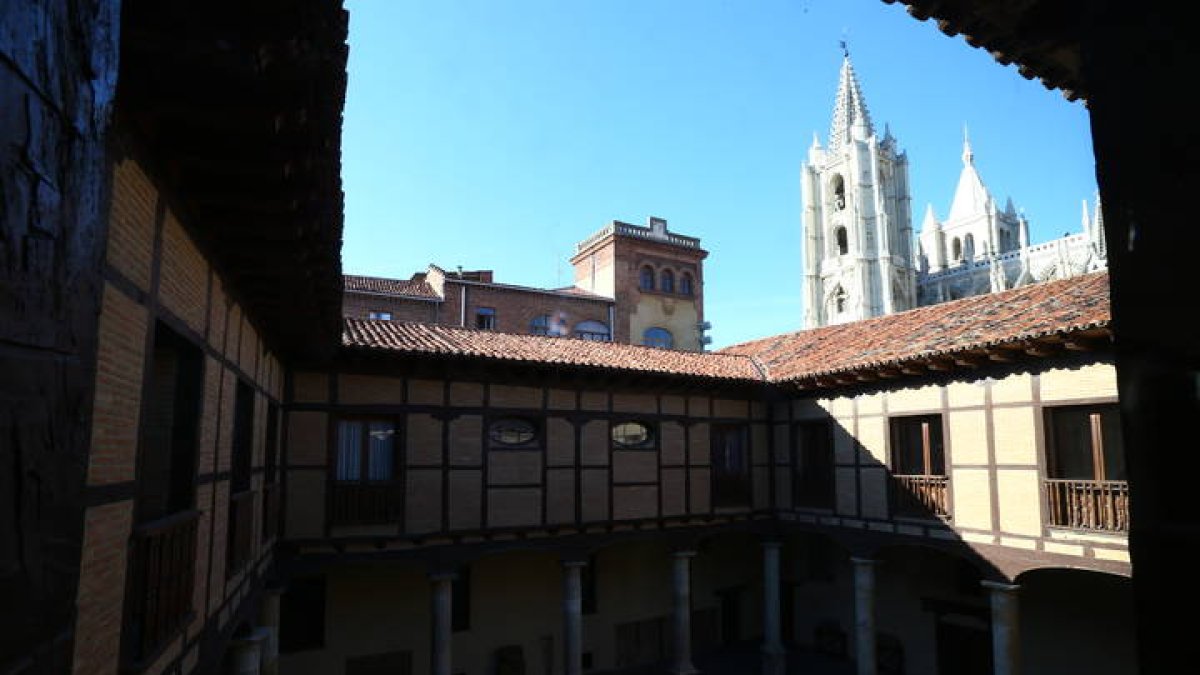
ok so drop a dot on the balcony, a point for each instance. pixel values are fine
(163, 567)
(1088, 504)
(354, 503)
(919, 496)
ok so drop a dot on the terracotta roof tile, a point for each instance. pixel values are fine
(1031, 312)
(406, 287)
(420, 338)
(1034, 311)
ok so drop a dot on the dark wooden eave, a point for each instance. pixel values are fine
(237, 105)
(1043, 38)
(1009, 352)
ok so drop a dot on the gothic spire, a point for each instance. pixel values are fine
(849, 108)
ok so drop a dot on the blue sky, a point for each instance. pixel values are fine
(496, 134)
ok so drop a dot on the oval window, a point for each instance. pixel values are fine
(512, 431)
(631, 434)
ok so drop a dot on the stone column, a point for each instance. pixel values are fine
(774, 654)
(864, 614)
(681, 605)
(439, 661)
(573, 617)
(1006, 637)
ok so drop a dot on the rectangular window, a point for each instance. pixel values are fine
(367, 486)
(171, 428)
(1084, 443)
(730, 465)
(813, 457)
(365, 451)
(1085, 462)
(485, 318)
(379, 315)
(917, 446)
(302, 615)
(918, 465)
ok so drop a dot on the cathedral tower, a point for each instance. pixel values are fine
(858, 256)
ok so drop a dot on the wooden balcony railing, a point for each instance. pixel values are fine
(271, 495)
(163, 568)
(241, 530)
(365, 503)
(920, 495)
(1089, 504)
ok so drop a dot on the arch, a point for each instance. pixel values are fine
(837, 185)
(646, 278)
(968, 248)
(686, 286)
(656, 336)
(841, 240)
(593, 330)
(666, 282)
(956, 250)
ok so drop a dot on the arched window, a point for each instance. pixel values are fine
(969, 246)
(685, 284)
(839, 300)
(658, 337)
(839, 193)
(843, 242)
(956, 249)
(667, 285)
(646, 280)
(592, 330)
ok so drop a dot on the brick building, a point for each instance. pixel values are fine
(198, 470)
(633, 284)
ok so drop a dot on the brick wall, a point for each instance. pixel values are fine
(155, 274)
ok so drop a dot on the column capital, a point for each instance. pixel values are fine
(1001, 586)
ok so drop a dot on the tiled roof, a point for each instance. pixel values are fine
(430, 339)
(973, 323)
(976, 323)
(406, 287)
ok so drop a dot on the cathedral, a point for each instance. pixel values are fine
(861, 258)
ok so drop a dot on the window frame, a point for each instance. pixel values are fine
(933, 421)
(485, 318)
(647, 443)
(730, 489)
(666, 281)
(656, 342)
(364, 457)
(646, 278)
(535, 432)
(379, 315)
(802, 497)
(592, 335)
(1052, 415)
(687, 284)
